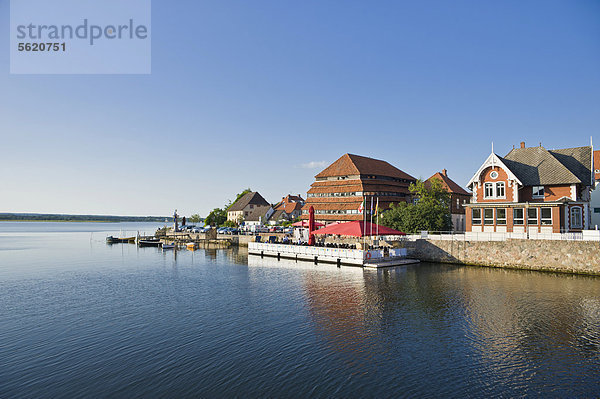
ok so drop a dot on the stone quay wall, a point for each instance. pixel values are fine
(581, 257)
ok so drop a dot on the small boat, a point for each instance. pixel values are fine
(191, 246)
(116, 240)
(155, 242)
(166, 247)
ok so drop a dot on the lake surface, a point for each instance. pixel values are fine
(79, 318)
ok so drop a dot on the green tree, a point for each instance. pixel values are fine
(288, 223)
(240, 195)
(195, 218)
(230, 223)
(431, 211)
(216, 217)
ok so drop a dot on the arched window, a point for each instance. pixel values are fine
(576, 218)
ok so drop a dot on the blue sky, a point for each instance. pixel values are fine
(249, 94)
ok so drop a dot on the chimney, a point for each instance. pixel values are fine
(522, 144)
(445, 172)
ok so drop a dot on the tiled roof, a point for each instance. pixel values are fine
(350, 164)
(277, 215)
(293, 206)
(294, 198)
(538, 166)
(578, 160)
(258, 213)
(449, 184)
(289, 202)
(253, 198)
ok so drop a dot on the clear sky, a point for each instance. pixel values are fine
(264, 94)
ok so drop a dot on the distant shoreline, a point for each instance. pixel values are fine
(80, 221)
(51, 217)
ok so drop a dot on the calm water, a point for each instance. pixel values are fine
(79, 318)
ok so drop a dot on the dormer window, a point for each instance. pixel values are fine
(537, 192)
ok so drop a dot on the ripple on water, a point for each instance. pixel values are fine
(124, 322)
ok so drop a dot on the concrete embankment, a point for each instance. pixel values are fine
(581, 257)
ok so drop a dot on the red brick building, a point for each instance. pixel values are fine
(289, 208)
(532, 190)
(339, 190)
(458, 198)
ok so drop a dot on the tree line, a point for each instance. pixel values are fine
(79, 218)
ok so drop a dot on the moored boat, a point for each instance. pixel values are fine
(168, 246)
(191, 246)
(154, 242)
(116, 240)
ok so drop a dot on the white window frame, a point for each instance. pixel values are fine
(580, 216)
(498, 185)
(492, 191)
(486, 219)
(476, 221)
(537, 219)
(545, 221)
(538, 195)
(501, 221)
(521, 219)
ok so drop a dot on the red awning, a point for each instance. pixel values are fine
(358, 228)
(304, 223)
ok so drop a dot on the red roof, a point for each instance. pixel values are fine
(350, 164)
(358, 228)
(304, 223)
(448, 183)
(292, 206)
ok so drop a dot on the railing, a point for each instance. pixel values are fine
(586, 235)
(342, 253)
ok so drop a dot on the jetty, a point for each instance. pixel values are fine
(369, 258)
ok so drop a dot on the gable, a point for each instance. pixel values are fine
(491, 161)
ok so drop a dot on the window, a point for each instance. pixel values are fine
(500, 190)
(494, 175)
(546, 214)
(532, 217)
(488, 216)
(489, 190)
(518, 216)
(596, 210)
(501, 216)
(457, 203)
(576, 219)
(476, 215)
(537, 192)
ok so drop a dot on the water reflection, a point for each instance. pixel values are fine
(527, 328)
(91, 320)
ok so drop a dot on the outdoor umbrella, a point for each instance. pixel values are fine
(358, 228)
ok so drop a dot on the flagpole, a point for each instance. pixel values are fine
(371, 214)
(377, 209)
(364, 218)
